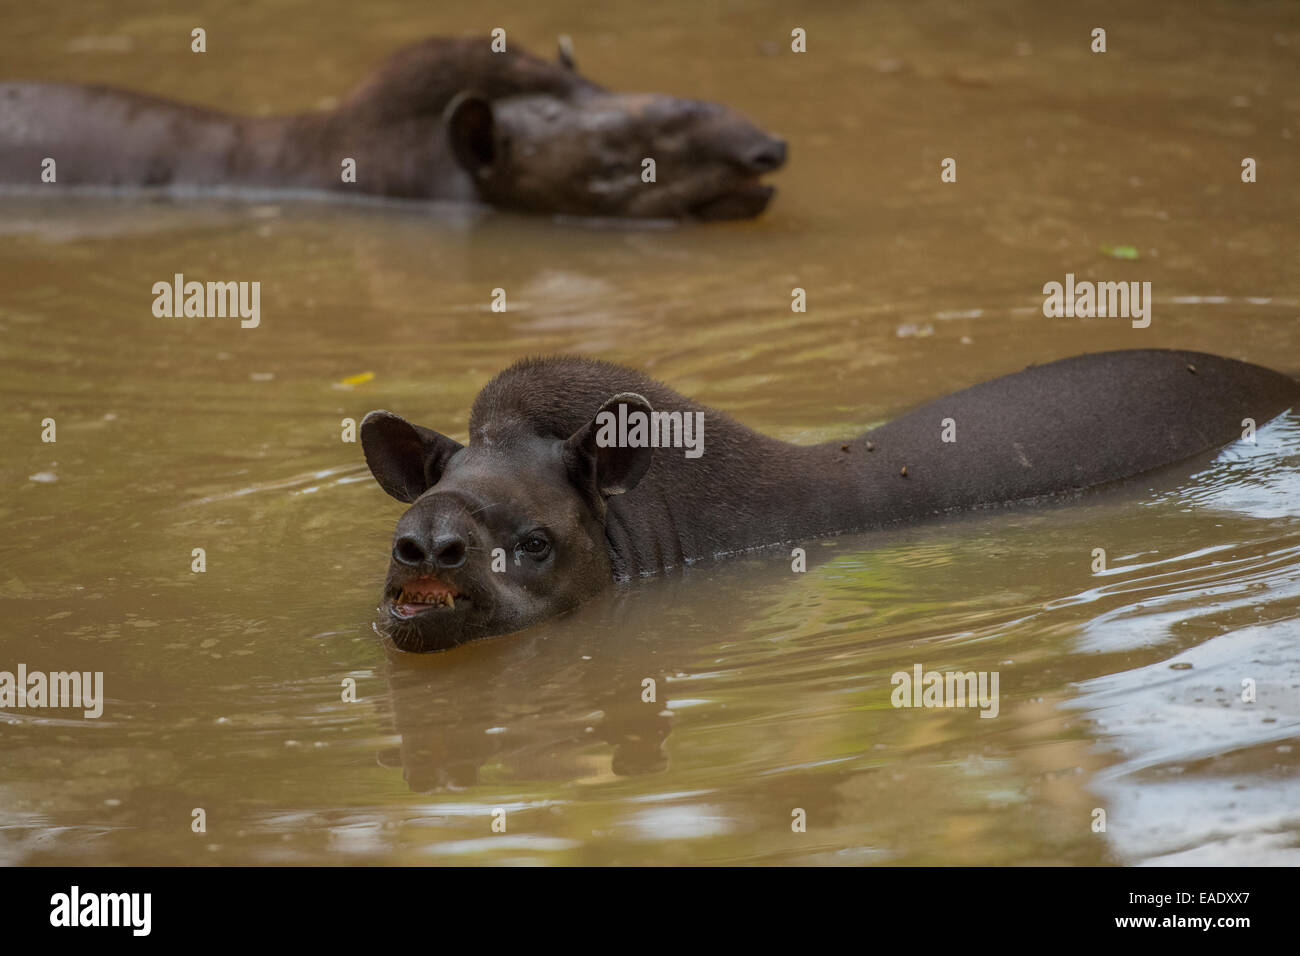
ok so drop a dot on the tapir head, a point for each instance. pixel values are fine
(536, 136)
(607, 154)
(500, 533)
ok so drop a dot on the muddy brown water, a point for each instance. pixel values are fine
(1119, 690)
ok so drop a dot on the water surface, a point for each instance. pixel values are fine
(224, 688)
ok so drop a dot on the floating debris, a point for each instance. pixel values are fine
(1120, 252)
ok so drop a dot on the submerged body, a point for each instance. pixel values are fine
(563, 515)
(444, 119)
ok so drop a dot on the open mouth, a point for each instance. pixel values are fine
(748, 197)
(422, 595)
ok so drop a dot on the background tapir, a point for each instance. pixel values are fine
(444, 119)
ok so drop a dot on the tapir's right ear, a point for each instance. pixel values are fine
(405, 459)
(471, 131)
(601, 468)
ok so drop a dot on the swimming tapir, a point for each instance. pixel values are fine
(442, 119)
(562, 490)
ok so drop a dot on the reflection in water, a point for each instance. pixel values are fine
(506, 710)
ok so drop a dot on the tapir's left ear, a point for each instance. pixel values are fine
(595, 459)
(405, 459)
(471, 133)
(565, 54)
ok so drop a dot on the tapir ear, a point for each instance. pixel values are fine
(471, 133)
(596, 461)
(405, 459)
(565, 54)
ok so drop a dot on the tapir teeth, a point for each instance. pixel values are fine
(445, 598)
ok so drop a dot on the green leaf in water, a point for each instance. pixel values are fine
(1120, 252)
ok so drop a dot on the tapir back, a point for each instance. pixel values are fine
(106, 137)
(1069, 425)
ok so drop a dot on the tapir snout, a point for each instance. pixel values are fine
(434, 535)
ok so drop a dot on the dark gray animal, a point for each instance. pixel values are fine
(442, 119)
(570, 514)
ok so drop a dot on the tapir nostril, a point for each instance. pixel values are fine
(449, 551)
(767, 156)
(409, 551)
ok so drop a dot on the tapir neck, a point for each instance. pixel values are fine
(349, 152)
(747, 491)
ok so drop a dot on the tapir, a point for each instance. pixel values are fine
(578, 474)
(442, 119)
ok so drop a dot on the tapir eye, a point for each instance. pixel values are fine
(535, 545)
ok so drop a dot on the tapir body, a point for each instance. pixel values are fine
(445, 119)
(563, 514)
